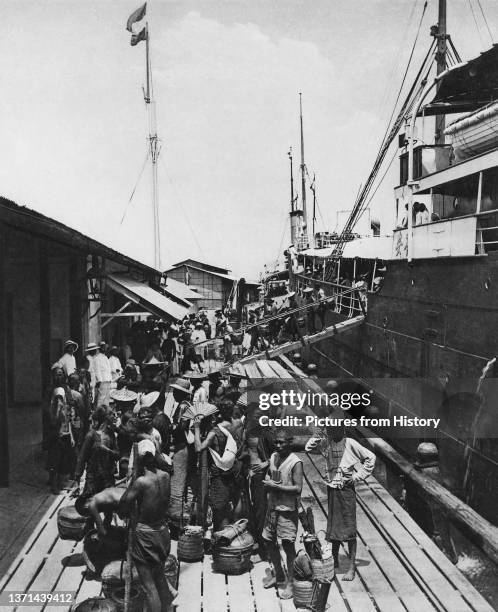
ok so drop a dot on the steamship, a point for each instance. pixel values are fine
(428, 343)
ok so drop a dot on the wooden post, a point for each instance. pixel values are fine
(203, 488)
(479, 194)
(132, 522)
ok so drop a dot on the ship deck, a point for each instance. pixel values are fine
(399, 568)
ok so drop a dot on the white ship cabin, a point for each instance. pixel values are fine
(456, 181)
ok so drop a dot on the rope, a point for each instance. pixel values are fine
(407, 66)
(485, 21)
(135, 188)
(346, 291)
(359, 203)
(475, 21)
(183, 209)
(457, 55)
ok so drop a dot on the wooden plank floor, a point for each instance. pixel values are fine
(398, 567)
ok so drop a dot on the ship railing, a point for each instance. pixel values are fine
(228, 346)
(487, 235)
(342, 299)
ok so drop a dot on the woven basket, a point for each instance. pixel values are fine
(303, 590)
(95, 604)
(191, 545)
(114, 576)
(137, 598)
(71, 524)
(323, 569)
(232, 560)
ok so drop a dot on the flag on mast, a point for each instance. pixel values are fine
(136, 38)
(135, 17)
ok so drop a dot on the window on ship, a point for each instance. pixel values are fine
(456, 199)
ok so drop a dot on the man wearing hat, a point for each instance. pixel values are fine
(183, 455)
(322, 306)
(124, 402)
(90, 352)
(68, 362)
(198, 338)
(310, 311)
(116, 367)
(103, 378)
(199, 391)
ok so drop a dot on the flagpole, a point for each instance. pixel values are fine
(154, 153)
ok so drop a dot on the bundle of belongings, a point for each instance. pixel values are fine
(232, 549)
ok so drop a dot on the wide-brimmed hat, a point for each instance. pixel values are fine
(123, 395)
(131, 362)
(146, 446)
(195, 375)
(149, 399)
(242, 401)
(181, 384)
(91, 347)
(71, 343)
(308, 290)
(152, 362)
(236, 373)
(59, 392)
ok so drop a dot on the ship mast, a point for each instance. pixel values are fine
(291, 180)
(441, 37)
(303, 168)
(154, 150)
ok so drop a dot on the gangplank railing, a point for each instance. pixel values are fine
(272, 330)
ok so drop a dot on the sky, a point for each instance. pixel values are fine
(226, 79)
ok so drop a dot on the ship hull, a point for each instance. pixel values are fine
(425, 350)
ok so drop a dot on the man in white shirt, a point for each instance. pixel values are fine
(68, 362)
(116, 368)
(91, 351)
(347, 461)
(103, 377)
(198, 336)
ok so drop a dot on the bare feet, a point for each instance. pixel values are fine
(269, 580)
(349, 575)
(286, 592)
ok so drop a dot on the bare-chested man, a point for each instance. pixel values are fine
(106, 502)
(151, 544)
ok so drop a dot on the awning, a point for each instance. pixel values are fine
(154, 302)
(370, 247)
(467, 86)
(178, 290)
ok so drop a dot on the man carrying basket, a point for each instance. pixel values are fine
(342, 456)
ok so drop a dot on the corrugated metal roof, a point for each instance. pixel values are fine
(181, 290)
(153, 301)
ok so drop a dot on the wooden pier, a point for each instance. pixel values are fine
(398, 567)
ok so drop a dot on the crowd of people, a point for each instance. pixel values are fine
(202, 455)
